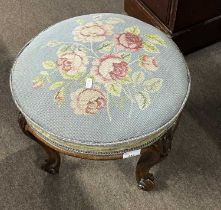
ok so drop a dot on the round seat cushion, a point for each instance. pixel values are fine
(100, 83)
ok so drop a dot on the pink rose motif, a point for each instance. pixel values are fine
(92, 32)
(72, 62)
(128, 41)
(148, 63)
(109, 68)
(87, 101)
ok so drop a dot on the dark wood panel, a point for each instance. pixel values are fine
(190, 12)
(138, 10)
(198, 36)
(160, 8)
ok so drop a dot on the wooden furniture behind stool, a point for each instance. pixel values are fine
(192, 24)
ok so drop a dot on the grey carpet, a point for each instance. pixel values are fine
(190, 178)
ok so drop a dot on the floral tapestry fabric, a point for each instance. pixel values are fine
(120, 65)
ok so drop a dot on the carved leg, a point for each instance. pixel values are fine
(53, 161)
(151, 156)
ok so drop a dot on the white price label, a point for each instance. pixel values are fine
(131, 153)
(89, 83)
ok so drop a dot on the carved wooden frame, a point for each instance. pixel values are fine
(150, 155)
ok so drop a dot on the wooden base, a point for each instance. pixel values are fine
(149, 156)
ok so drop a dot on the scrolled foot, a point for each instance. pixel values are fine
(50, 168)
(149, 157)
(52, 163)
(147, 183)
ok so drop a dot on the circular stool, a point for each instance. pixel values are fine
(101, 86)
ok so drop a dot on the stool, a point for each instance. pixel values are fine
(102, 87)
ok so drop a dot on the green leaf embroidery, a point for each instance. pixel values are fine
(105, 47)
(143, 100)
(45, 73)
(65, 48)
(80, 48)
(76, 76)
(48, 64)
(56, 85)
(133, 29)
(119, 103)
(59, 97)
(37, 78)
(138, 77)
(114, 89)
(153, 85)
(112, 20)
(149, 47)
(80, 21)
(155, 39)
(125, 56)
(125, 80)
(38, 81)
(53, 43)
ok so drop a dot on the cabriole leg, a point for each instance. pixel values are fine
(52, 163)
(149, 157)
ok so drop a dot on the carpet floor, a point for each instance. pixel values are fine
(190, 178)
